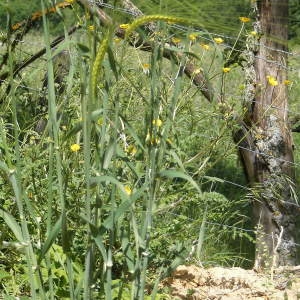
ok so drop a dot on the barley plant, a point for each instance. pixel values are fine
(112, 163)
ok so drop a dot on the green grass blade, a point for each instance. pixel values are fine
(12, 223)
(180, 174)
(50, 239)
(127, 250)
(201, 236)
(109, 154)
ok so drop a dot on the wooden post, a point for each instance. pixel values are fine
(266, 144)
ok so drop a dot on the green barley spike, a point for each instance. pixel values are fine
(147, 19)
(97, 63)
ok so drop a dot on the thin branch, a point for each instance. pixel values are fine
(26, 25)
(20, 66)
(190, 69)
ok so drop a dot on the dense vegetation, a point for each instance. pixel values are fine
(134, 172)
(216, 16)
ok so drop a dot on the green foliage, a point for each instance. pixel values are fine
(128, 177)
(206, 12)
(216, 16)
(294, 20)
(19, 10)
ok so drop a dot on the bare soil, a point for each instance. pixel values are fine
(191, 282)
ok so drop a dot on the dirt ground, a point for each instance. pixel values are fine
(191, 282)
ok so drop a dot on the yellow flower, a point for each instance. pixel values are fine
(157, 122)
(253, 33)
(117, 40)
(197, 71)
(287, 82)
(124, 26)
(226, 70)
(205, 46)
(131, 149)
(272, 81)
(75, 147)
(175, 40)
(91, 28)
(100, 121)
(146, 66)
(127, 190)
(218, 40)
(244, 19)
(192, 37)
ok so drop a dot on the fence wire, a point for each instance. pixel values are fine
(185, 28)
(227, 226)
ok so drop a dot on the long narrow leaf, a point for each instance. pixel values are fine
(180, 174)
(12, 224)
(127, 251)
(201, 236)
(50, 239)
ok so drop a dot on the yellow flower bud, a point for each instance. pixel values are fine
(175, 40)
(75, 147)
(218, 40)
(205, 46)
(287, 82)
(244, 19)
(124, 26)
(157, 122)
(127, 190)
(272, 81)
(192, 37)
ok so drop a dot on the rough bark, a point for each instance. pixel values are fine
(266, 144)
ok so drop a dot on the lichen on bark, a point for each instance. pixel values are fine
(268, 157)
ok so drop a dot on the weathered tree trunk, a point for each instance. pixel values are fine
(265, 143)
